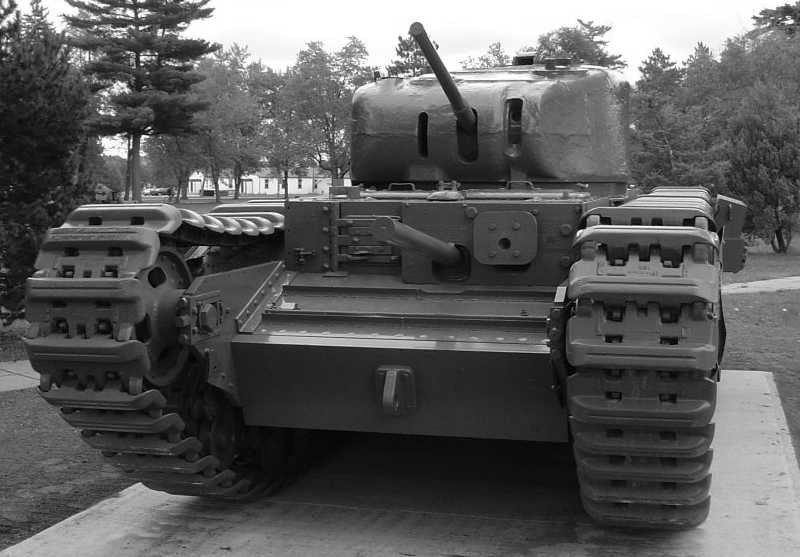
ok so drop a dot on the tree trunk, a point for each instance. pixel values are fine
(237, 179)
(333, 160)
(286, 185)
(128, 172)
(183, 186)
(79, 160)
(215, 178)
(781, 239)
(136, 187)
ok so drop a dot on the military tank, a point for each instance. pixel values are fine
(490, 273)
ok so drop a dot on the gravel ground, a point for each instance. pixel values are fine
(46, 472)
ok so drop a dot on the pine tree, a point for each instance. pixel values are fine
(784, 18)
(43, 106)
(494, 57)
(583, 42)
(140, 61)
(654, 117)
(8, 23)
(410, 61)
(764, 157)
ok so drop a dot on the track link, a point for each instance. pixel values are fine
(88, 304)
(642, 343)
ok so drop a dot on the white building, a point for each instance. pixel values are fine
(260, 184)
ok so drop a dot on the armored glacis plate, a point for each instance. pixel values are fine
(505, 237)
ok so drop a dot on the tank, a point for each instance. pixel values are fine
(490, 273)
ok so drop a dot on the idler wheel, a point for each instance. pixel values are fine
(162, 286)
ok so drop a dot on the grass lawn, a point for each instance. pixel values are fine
(762, 265)
(764, 334)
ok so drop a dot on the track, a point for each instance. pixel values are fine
(642, 343)
(104, 310)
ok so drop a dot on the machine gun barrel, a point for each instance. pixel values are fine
(389, 231)
(464, 113)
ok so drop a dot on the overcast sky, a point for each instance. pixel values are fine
(276, 30)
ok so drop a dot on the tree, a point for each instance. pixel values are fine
(322, 84)
(765, 162)
(410, 61)
(143, 66)
(245, 138)
(173, 158)
(43, 106)
(8, 24)
(227, 138)
(113, 173)
(581, 43)
(702, 111)
(654, 118)
(784, 18)
(286, 134)
(495, 56)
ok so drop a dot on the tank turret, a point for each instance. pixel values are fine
(539, 124)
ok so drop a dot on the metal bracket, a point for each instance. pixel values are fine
(556, 332)
(199, 317)
(730, 216)
(396, 390)
(302, 254)
(505, 237)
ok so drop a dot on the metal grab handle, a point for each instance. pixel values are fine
(391, 399)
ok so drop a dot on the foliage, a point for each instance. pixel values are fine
(765, 161)
(654, 117)
(493, 57)
(8, 24)
(410, 61)
(754, 77)
(113, 172)
(784, 18)
(142, 65)
(172, 159)
(227, 135)
(583, 42)
(727, 123)
(677, 130)
(321, 86)
(244, 138)
(285, 134)
(43, 145)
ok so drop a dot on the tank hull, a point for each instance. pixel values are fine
(473, 363)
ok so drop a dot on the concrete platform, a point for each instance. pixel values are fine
(17, 375)
(756, 286)
(389, 496)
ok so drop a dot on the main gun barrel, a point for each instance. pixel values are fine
(389, 231)
(464, 113)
